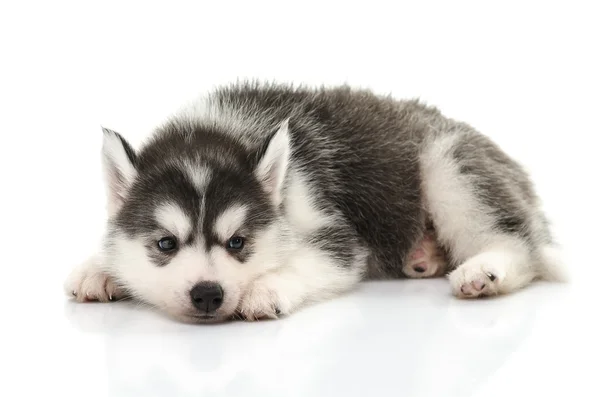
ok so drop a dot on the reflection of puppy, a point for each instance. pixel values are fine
(259, 199)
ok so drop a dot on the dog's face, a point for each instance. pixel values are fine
(188, 234)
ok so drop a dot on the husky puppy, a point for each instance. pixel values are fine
(259, 199)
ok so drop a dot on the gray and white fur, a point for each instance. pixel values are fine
(259, 199)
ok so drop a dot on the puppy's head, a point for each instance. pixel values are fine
(193, 219)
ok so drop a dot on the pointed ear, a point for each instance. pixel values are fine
(272, 167)
(118, 160)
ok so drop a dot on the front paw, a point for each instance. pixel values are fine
(262, 300)
(89, 283)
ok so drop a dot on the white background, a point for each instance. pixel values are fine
(524, 73)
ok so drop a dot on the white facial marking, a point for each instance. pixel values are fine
(230, 221)
(200, 176)
(174, 219)
(166, 287)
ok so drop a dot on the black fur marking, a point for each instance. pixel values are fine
(152, 190)
(231, 182)
(229, 189)
(510, 223)
(346, 154)
(204, 145)
(340, 243)
(501, 195)
(157, 256)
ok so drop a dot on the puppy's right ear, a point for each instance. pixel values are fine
(118, 160)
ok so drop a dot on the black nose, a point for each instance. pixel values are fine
(207, 296)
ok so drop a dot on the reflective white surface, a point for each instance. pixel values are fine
(406, 338)
(525, 73)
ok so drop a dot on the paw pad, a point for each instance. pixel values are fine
(475, 286)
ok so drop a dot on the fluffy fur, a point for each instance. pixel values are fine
(325, 187)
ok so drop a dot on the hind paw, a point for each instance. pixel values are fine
(425, 259)
(483, 285)
(475, 278)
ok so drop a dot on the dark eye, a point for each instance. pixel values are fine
(167, 244)
(235, 243)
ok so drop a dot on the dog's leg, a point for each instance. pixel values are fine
(501, 268)
(310, 276)
(485, 211)
(90, 281)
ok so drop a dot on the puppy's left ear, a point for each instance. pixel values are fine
(118, 160)
(272, 167)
